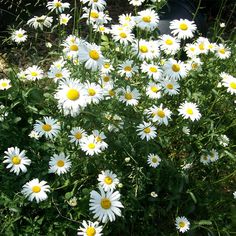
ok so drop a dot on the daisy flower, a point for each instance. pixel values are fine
(127, 20)
(170, 86)
(57, 71)
(182, 28)
(147, 19)
(153, 90)
(143, 50)
(182, 224)
(19, 36)
(57, 5)
(5, 84)
(100, 137)
(122, 35)
(127, 69)
(153, 160)
(146, 131)
(169, 44)
(202, 45)
(101, 29)
(159, 114)
(90, 229)
(191, 50)
(72, 45)
(59, 164)
(213, 155)
(34, 73)
(205, 159)
(223, 140)
(108, 180)
(222, 52)
(64, 19)
(36, 190)
(40, 21)
(77, 134)
(92, 56)
(105, 205)
(95, 4)
(107, 67)
(136, 2)
(95, 17)
(175, 69)
(152, 70)
(189, 110)
(16, 160)
(90, 145)
(194, 64)
(129, 96)
(94, 92)
(49, 128)
(71, 96)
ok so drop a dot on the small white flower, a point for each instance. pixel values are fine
(182, 224)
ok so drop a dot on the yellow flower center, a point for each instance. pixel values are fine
(78, 135)
(105, 203)
(201, 46)
(95, 0)
(123, 35)
(183, 26)
(106, 78)
(161, 113)
(106, 65)
(127, 68)
(154, 160)
(189, 111)
(58, 4)
(73, 94)
(169, 42)
(154, 89)
(128, 96)
(94, 54)
(60, 163)
(20, 35)
(4, 84)
(90, 230)
(64, 20)
(181, 224)
(192, 49)
(94, 14)
(153, 69)
(36, 189)
(108, 180)
(147, 130)
(194, 65)
(170, 86)
(16, 160)
(91, 146)
(143, 49)
(127, 18)
(222, 51)
(98, 139)
(176, 68)
(111, 93)
(47, 127)
(101, 28)
(58, 75)
(91, 92)
(74, 47)
(34, 73)
(232, 85)
(147, 19)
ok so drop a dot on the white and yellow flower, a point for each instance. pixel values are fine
(59, 164)
(90, 229)
(182, 224)
(19, 36)
(108, 180)
(189, 110)
(153, 160)
(146, 131)
(49, 127)
(183, 28)
(105, 205)
(16, 160)
(36, 189)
